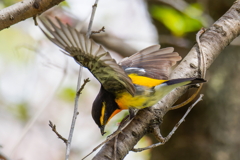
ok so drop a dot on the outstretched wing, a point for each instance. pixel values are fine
(151, 62)
(90, 55)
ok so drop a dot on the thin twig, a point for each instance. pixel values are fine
(35, 20)
(75, 112)
(164, 140)
(121, 127)
(54, 129)
(94, 7)
(201, 71)
(99, 31)
(82, 87)
(34, 119)
(202, 57)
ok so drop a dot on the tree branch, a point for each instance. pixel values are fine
(23, 10)
(79, 90)
(162, 140)
(213, 41)
(114, 43)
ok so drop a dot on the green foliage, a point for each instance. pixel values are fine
(64, 4)
(21, 111)
(194, 10)
(67, 94)
(6, 3)
(178, 23)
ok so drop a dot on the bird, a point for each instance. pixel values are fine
(136, 82)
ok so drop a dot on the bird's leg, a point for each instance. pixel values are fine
(127, 119)
(124, 123)
(132, 112)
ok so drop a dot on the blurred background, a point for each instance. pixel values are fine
(38, 82)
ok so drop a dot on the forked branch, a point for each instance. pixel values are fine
(213, 41)
(162, 140)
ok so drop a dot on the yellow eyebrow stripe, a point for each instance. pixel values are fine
(103, 113)
(145, 81)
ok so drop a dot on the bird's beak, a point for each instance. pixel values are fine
(102, 129)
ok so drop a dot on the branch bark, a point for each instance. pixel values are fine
(213, 41)
(23, 10)
(114, 43)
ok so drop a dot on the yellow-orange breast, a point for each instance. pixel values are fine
(143, 99)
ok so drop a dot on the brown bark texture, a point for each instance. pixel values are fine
(23, 10)
(213, 41)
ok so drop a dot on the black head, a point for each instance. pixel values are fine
(104, 108)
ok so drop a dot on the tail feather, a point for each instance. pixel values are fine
(191, 81)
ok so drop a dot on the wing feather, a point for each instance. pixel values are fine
(89, 54)
(152, 62)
